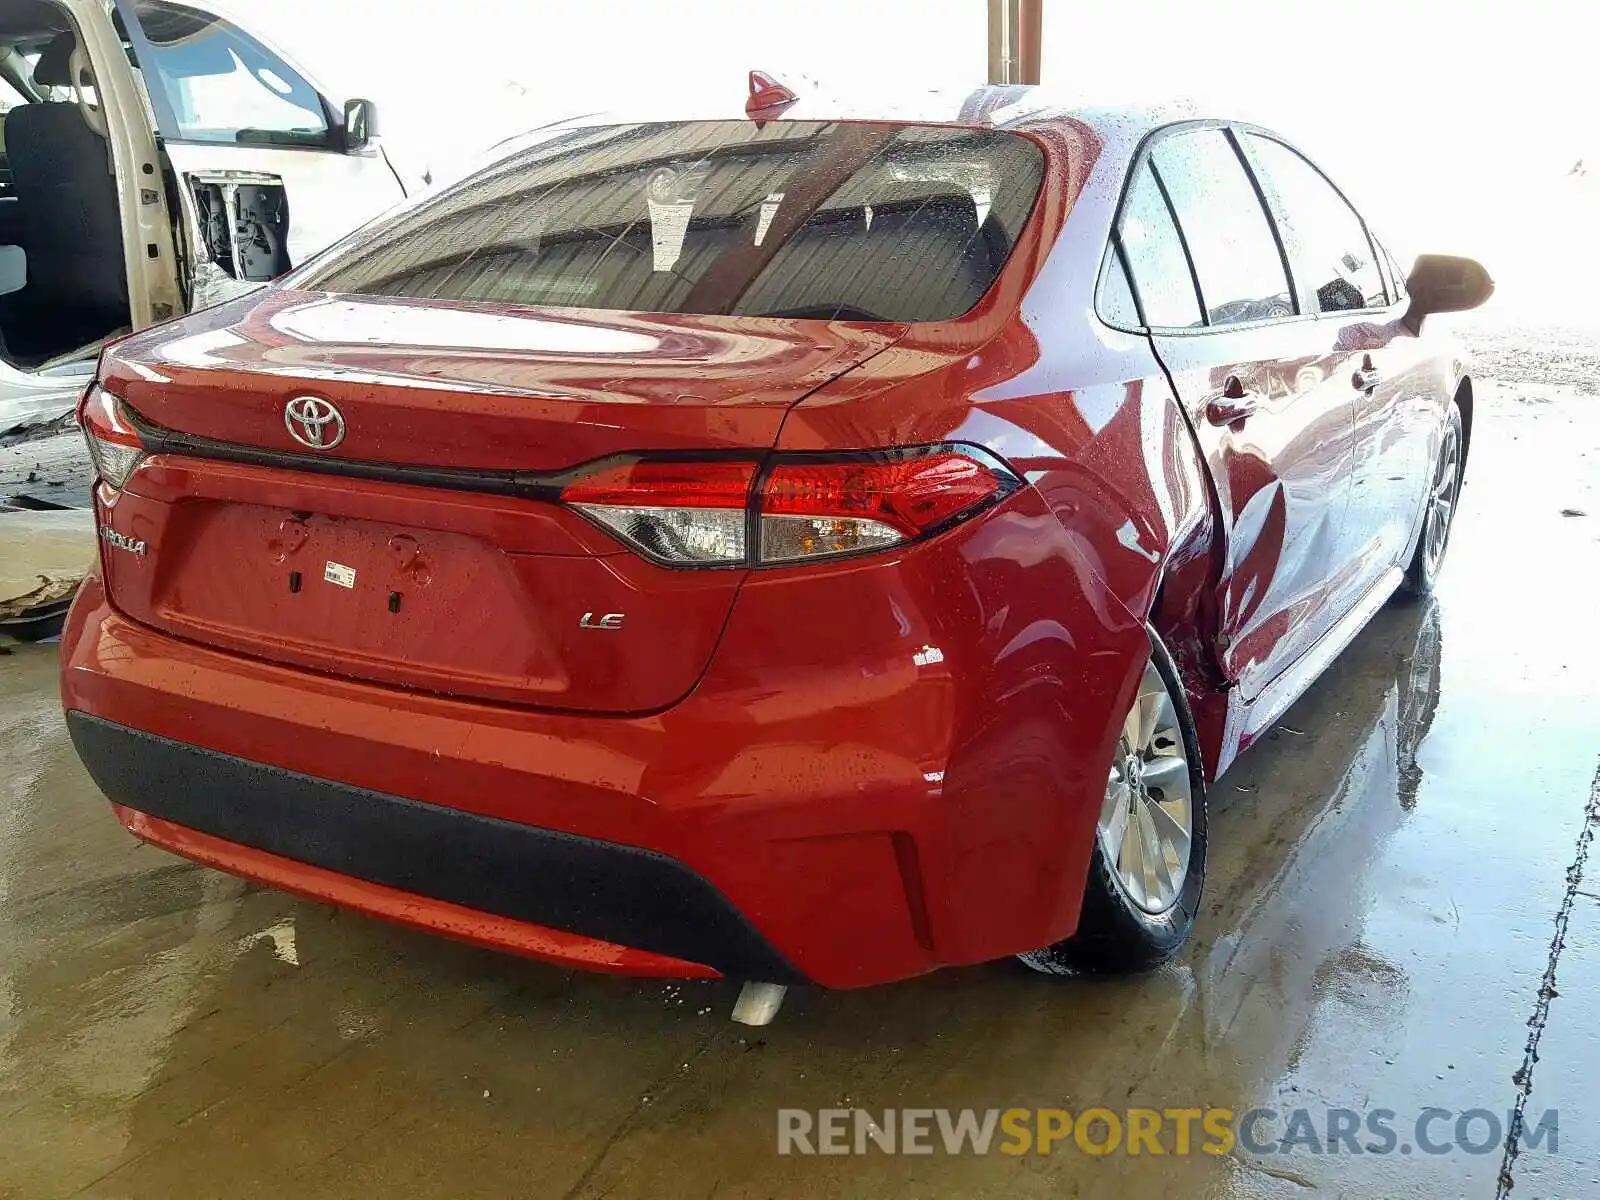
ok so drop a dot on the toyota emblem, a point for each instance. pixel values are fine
(313, 421)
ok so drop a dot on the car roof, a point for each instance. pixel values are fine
(1018, 107)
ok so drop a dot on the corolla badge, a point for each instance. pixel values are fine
(313, 421)
(122, 541)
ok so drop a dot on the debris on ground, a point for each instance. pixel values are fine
(44, 555)
(45, 466)
(21, 411)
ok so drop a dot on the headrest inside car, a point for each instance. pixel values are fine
(54, 68)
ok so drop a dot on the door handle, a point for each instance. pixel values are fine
(1367, 377)
(1233, 406)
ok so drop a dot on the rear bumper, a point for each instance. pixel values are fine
(653, 846)
(847, 801)
(441, 858)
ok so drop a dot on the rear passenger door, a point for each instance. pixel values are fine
(1336, 268)
(1263, 384)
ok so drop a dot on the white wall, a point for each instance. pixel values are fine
(452, 77)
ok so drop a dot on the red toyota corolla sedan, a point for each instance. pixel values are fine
(784, 550)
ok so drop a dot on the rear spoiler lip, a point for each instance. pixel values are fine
(158, 439)
(525, 485)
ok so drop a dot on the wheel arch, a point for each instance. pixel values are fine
(1182, 616)
(1463, 398)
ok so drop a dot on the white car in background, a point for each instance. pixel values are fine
(157, 158)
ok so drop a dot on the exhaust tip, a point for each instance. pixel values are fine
(758, 1003)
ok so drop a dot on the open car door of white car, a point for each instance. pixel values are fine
(272, 168)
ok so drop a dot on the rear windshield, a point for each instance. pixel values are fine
(794, 219)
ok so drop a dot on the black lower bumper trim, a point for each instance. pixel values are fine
(616, 893)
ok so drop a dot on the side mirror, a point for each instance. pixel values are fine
(1441, 283)
(360, 124)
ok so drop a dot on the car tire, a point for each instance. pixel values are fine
(1125, 927)
(1444, 493)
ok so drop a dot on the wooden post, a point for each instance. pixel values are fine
(1015, 29)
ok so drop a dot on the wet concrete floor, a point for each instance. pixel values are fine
(1400, 884)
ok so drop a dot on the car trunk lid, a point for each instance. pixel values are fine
(453, 385)
(423, 548)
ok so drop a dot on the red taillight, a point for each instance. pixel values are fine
(821, 508)
(910, 495)
(688, 514)
(114, 444)
(665, 484)
(807, 506)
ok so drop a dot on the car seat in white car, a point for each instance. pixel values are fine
(71, 226)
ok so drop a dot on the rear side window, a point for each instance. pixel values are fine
(1116, 304)
(1155, 257)
(794, 219)
(1235, 254)
(1334, 265)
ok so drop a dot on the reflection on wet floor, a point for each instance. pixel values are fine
(1386, 868)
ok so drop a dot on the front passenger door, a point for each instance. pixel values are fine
(1261, 387)
(263, 156)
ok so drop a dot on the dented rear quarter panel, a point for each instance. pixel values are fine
(1082, 411)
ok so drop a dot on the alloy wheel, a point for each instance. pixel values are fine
(1147, 819)
(1442, 500)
